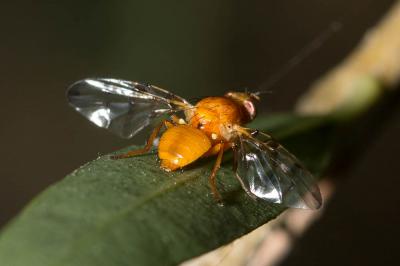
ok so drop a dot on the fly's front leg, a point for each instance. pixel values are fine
(211, 178)
(148, 145)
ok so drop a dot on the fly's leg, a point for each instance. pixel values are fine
(148, 145)
(177, 121)
(234, 168)
(211, 178)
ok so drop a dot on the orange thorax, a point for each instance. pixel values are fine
(213, 113)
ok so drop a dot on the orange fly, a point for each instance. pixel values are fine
(264, 168)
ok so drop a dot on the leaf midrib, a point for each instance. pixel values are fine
(119, 215)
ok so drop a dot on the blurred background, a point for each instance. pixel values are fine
(194, 49)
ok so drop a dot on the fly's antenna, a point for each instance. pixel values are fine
(303, 54)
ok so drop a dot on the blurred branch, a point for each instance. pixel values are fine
(350, 88)
(371, 68)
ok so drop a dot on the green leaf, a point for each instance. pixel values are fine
(129, 212)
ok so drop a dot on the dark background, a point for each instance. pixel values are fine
(195, 49)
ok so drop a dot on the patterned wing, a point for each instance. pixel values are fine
(268, 171)
(121, 106)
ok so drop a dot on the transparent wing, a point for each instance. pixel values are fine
(268, 171)
(121, 106)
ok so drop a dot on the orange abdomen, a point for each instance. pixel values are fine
(181, 145)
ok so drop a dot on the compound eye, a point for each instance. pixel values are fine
(250, 108)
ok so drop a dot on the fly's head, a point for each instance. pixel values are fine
(247, 103)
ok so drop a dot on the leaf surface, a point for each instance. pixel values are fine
(129, 212)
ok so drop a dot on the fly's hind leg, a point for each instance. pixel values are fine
(148, 145)
(235, 168)
(211, 178)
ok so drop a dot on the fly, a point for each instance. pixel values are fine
(264, 168)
